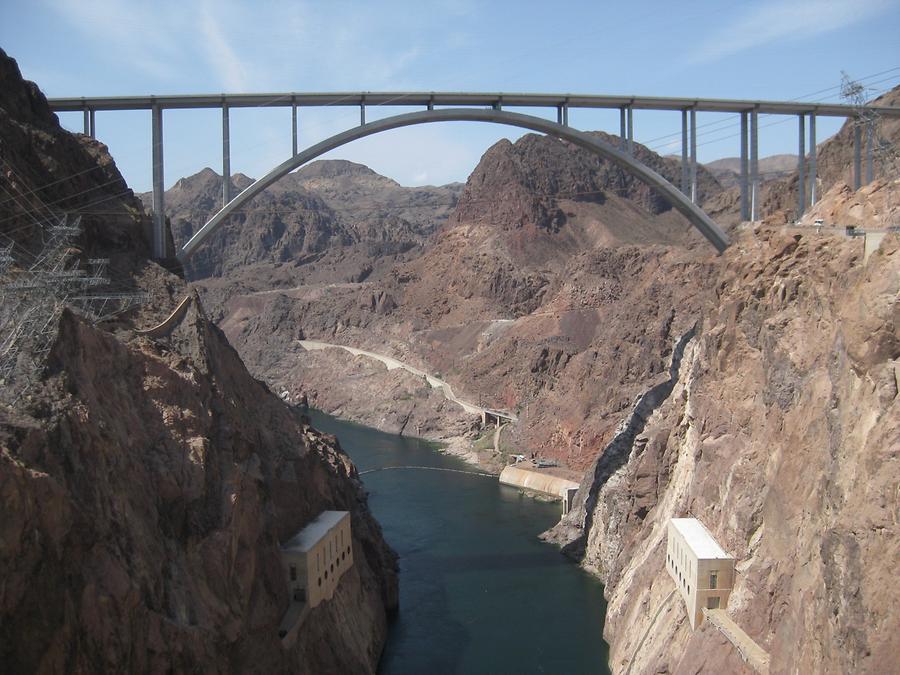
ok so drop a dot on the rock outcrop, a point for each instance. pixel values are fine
(780, 435)
(146, 483)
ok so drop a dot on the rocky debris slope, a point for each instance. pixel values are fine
(728, 170)
(780, 435)
(146, 484)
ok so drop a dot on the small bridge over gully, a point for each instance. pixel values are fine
(488, 107)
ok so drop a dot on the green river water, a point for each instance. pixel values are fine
(479, 593)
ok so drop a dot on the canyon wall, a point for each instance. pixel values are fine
(146, 482)
(780, 433)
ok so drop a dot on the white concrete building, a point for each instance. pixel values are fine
(317, 556)
(702, 571)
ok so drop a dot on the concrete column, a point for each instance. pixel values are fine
(431, 104)
(362, 114)
(294, 130)
(685, 175)
(870, 148)
(857, 156)
(694, 195)
(565, 115)
(754, 165)
(744, 180)
(813, 171)
(226, 156)
(559, 114)
(87, 122)
(801, 166)
(159, 215)
(630, 130)
(93, 129)
(622, 129)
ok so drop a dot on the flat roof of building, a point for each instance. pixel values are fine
(699, 539)
(312, 534)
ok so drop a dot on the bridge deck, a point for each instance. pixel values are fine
(431, 98)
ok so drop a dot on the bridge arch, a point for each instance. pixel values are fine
(679, 201)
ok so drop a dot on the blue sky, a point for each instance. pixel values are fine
(773, 49)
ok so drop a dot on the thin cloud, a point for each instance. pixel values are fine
(222, 58)
(131, 30)
(778, 20)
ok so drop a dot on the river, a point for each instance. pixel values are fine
(479, 593)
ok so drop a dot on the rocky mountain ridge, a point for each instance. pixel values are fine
(331, 220)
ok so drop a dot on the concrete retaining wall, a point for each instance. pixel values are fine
(536, 481)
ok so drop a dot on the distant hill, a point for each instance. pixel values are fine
(335, 218)
(728, 169)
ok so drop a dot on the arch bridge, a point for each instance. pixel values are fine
(488, 107)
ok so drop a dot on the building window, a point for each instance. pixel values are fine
(713, 579)
(712, 602)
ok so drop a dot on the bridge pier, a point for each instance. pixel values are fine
(857, 154)
(89, 129)
(745, 185)
(813, 170)
(685, 174)
(630, 112)
(294, 129)
(226, 156)
(870, 142)
(159, 215)
(801, 166)
(362, 114)
(754, 165)
(622, 131)
(694, 195)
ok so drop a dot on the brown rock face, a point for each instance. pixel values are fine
(146, 484)
(45, 171)
(522, 183)
(779, 434)
(145, 498)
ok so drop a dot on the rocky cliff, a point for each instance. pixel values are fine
(146, 482)
(777, 427)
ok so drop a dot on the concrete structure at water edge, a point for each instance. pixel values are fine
(550, 481)
(314, 560)
(702, 571)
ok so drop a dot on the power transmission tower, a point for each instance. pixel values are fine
(33, 296)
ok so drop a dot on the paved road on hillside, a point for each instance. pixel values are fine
(392, 363)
